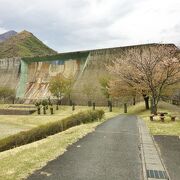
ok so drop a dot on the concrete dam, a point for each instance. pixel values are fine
(30, 76)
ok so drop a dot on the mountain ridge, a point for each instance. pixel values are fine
(24, 44)
(7, 35)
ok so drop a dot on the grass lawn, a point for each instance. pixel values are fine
(11, 124)
(18, 163)
(14, 106)
(4, 106)
(157, 127)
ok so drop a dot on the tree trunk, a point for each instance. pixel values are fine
(89, 103)
(69, 100)
(146, 100)
(60, 102)
(13, 100)
(154, 109)
(134, 101)
(125, 108)
(153, 106)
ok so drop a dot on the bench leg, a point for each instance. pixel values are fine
(151, 118)
(162, 119)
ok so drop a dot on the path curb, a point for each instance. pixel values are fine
(153, 167)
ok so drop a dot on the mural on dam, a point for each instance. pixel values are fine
(40, 73)
(36, 73)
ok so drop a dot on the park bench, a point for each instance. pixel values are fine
(162, 113)
(173, 118)
(151, 117)
(162, 116)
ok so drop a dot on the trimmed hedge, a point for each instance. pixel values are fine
(40, 132)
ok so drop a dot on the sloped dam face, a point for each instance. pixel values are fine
(10, 72)
(30, 76)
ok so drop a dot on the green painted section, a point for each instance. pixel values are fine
(82, 55)
(23, 79)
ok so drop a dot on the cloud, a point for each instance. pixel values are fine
(2, 30)
(68, 25)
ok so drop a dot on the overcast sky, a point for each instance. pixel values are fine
(69, 25)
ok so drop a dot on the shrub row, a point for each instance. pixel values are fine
(48, 129)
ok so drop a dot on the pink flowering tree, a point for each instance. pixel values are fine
(148, 71)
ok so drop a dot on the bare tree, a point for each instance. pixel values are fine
(149, 70)
(89, 92)
(120, 89)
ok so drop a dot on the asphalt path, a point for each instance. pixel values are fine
(170, 152)
(111, 152)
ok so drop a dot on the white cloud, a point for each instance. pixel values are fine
(68, 25)
(2, 30)
(149, 20)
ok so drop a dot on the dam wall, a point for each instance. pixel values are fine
(30, 76)
(10, 72)
(37, 72)
(96, 68)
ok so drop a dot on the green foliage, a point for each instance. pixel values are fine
(104, 82)
(60, 86)
(44, 102)
(69, 85)
(7, 93)
(38, 103)
(48, 129)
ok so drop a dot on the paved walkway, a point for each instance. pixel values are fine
(111, 152)
(153, 167)
(170, 151)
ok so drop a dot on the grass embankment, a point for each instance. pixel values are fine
(18, 163)
(48, 129)
(12, 124)
(157, 127)
(17, 106)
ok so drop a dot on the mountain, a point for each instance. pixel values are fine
(24, 44)
(7, 35)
